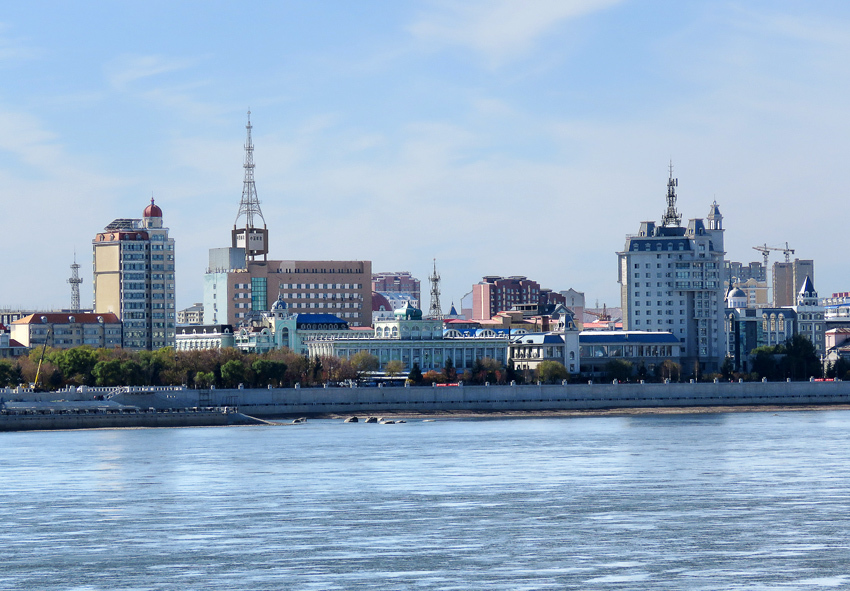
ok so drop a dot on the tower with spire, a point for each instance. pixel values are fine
(75, 282)
(436, 310)
(253, 239)
(671, 217)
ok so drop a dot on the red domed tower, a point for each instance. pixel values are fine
(152, 216)
(153, 210)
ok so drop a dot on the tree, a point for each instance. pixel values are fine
(5, 373)
(393, 367)
(203, 379)
(108, 373)
(76, 364)
(268, 372)
(727, 369)
(415, 375)
(233, 373)
(764, 362)
(620, 370)
(670, 370)
(550, 372)
(449, 370)
(363, 363)
(132, 373)
(433, 376)
(838, 369)
(801, 359)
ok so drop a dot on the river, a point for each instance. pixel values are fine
(751, 501)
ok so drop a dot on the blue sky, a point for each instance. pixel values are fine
(501, 138)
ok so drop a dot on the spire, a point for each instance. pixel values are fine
(250, 204)
(75, 282)
(254, 240)
(671, 216)
(436, 310)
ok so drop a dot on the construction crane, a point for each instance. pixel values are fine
(35, 385)
(765, 251)
(603, 316)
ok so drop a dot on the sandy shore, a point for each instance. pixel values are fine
(612, 412)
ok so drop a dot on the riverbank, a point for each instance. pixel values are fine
(671, 410)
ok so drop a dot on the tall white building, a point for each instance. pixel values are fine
(810, 315)
(134, 278)
(671, 280)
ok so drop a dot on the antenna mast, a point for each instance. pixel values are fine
(253, 240)
(436, 310)
(671, 216)
(75, 282)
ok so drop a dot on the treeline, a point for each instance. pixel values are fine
(228, 368)
(224, 368)
(797, 360)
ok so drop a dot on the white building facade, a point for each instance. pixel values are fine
(671, 280)
(413, 340)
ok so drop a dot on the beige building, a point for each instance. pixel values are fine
(788, 278)
(134, 278)
(67, 330)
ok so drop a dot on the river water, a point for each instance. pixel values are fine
(712, 501)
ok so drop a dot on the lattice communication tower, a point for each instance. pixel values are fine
(671, 216)
(75, 282)
(436, 310)
(254, 240)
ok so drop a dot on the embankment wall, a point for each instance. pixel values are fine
(305, 401)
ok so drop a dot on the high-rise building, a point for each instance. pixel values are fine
(788, 278)
(342, 288)
(134, 278)
(401, 282)
(494, 294)
(240, 282)
(671, 279)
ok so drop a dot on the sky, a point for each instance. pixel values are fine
(499, 138)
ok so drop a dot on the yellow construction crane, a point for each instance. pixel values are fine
(765, 251)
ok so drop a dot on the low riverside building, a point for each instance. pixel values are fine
(528, 351)
(748, 328)
(643, 349)
(65, 331)
(8, 346)
(204, 336)
(412, 339)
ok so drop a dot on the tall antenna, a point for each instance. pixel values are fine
(253, 240)
(436, 310)
(75, 282)
(671, 216)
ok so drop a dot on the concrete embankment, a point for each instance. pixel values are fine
(278, 402)
(311, 401)
(40, 421)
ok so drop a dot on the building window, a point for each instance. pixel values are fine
(259, 294)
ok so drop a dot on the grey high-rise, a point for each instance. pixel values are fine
(671, 279)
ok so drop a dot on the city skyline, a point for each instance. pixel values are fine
(402, 133)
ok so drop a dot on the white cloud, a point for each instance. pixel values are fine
(127, 69)
(499, 29)
(15, 50)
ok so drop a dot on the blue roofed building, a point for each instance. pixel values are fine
(643, 349)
